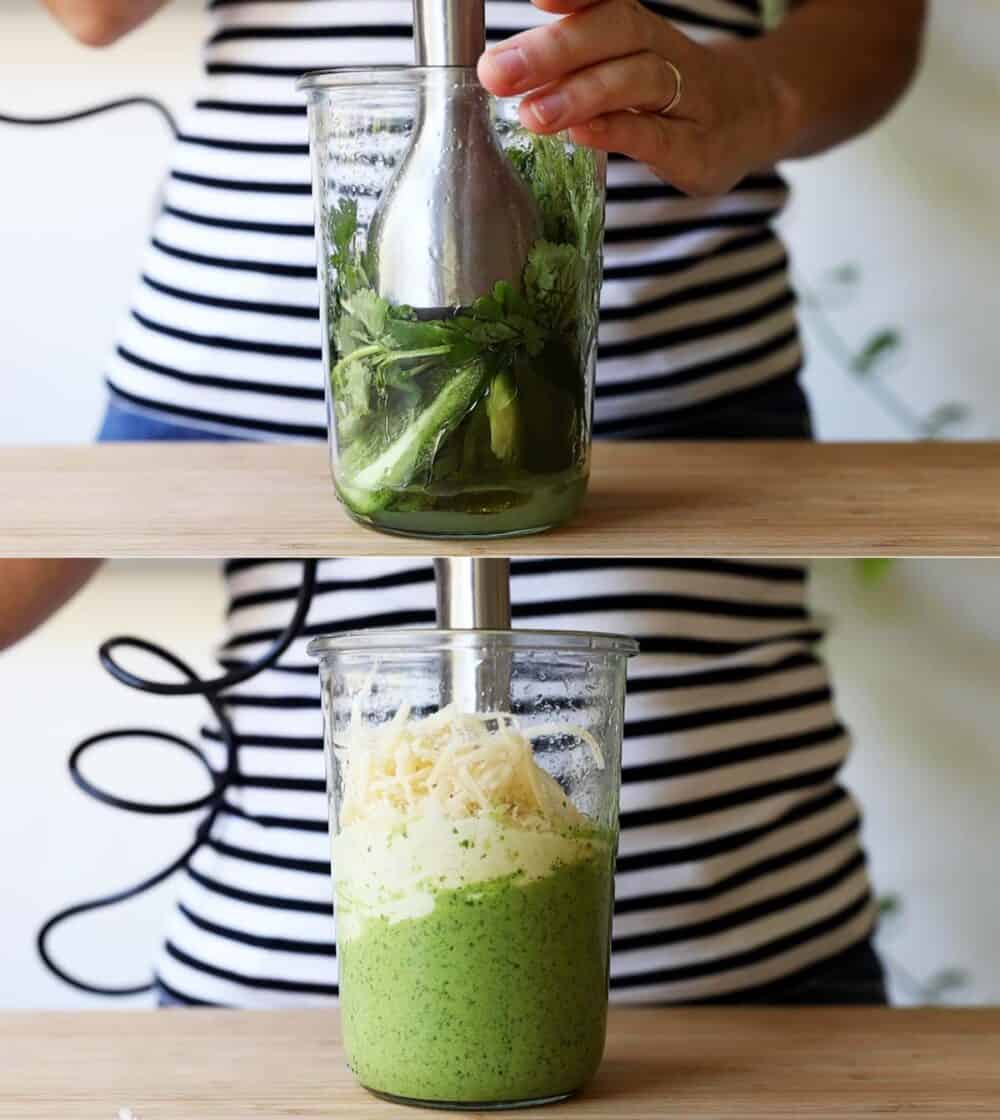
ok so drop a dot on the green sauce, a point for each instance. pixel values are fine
(499, 994)
(487, 512)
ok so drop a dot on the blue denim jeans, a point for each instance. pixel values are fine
(122, 424)
(777, 410)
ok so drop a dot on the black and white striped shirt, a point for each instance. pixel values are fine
(223, 329)
(740, 858)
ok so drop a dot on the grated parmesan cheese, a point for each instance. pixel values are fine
(451, 764)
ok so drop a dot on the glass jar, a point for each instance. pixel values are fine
(467, 419)
(474, 781)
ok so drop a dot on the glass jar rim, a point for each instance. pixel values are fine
(383, 641)
(386, 74)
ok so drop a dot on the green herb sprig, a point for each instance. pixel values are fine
(500, 346)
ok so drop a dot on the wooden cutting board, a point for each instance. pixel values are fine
(723, 1064)
(646, 499)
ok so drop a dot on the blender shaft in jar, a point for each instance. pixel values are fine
(449, 32)
(474, 594)
(456, 218)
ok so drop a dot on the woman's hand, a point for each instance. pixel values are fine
(829, 70)
(603, 72)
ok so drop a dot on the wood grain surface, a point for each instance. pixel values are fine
(722, 1064)
(666, 499)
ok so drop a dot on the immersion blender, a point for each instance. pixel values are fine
(474, 594)
(456, 218)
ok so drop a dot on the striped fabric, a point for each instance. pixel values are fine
(223, 330)
(740, 858)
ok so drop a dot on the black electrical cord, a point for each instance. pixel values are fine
(93, 111)
(192, 685)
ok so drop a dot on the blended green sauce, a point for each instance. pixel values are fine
(499, 994)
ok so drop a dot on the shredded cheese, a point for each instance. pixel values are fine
(451, 764)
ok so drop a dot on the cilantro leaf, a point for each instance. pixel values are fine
(553, 278)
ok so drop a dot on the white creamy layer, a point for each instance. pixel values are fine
(445, 802)
(394, 873)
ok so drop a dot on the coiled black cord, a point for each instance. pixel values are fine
(93, 111)
(192, 685)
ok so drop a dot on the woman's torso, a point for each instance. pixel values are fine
(223, 327)
(740, 855)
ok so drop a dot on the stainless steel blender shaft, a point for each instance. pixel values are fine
(449, 32)
(474, 594)
(456, 218)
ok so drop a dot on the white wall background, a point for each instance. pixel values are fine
(915, 205)
(916, 665)
(57, 846)
(916, 658)
(75, 206)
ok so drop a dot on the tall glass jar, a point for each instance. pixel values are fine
(472, 419)
(473, 781)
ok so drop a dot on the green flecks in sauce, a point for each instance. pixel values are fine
(499, 994)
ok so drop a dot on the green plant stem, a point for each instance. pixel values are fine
(355, 356)
(916, 987)
(891, 403)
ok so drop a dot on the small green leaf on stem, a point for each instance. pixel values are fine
(876, 350)
(847, 275)
(874, 569)
(889, 905)
(944, 417)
